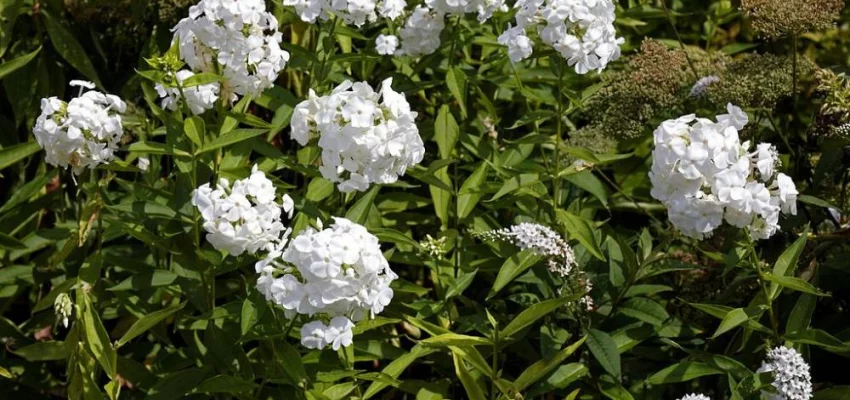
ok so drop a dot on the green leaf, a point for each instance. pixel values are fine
(473, 391)
(393, 236)
(801, 314)
(176, 385)
(458, 285)
(646, 310)
(532, 314)
(793, 283)
(514, 183)
(359, 212)
(787, 262)
(833, 393)
(43, 351)
(456, 339)
(682, 372)
(804, 198)
(232, 137)
(590, 183)
(735, 318)
(512, 268)
(10, 243)
(15, 64)
(148, 321)
(249, 316)
(98, 340)
(151, 279)
(201, 78)
(440, 196)
(581, 230)
(604, 349)
(445, 131)
(319, 189)
(613, 390)
(195, 129)
(12, 154)
(819, 338)
(157, 148)
(719, 311)
(225, 384)
(396, 367)
(470, 192)
(456, 81)
(542, 368)
(68, 47)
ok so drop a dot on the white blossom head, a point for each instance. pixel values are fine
(420, 34)
(244, 217)
(791, 377)
(366, 136)
(352, 12)
(82, 133)
(704, 175)
(695, 396)
(199, 98)
(540, 239)
(581, 31)
(237, 38)
(337, 274)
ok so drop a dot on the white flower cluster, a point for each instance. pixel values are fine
(695, 396)
(703, 174)
(420, 31)
(541, 240)
(245, 216)
(365, 136)
(356, 12)
(338, 272)
(83, 132)
(198, 98)
(791, 374)
(484, 8)
(235, 38)
(420, 34)
(581, 31)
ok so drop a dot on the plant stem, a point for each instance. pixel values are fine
(558, 136)
(763, 284)
(679, 38)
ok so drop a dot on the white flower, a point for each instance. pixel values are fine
(766, 159)
(420, 34)
(313, 335)
(243, 217)
(581, 31)
(695, 396)
(541, 240)
(237, 38)
(484, 8)
(82, 133)
(143, 163)
(386, 44)
(366, 136)
(339, 333)
(704, 175)
(391, 9)
(519, 45)
(791, 375)
(199, 98)
(356, 12)
(338, 273)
